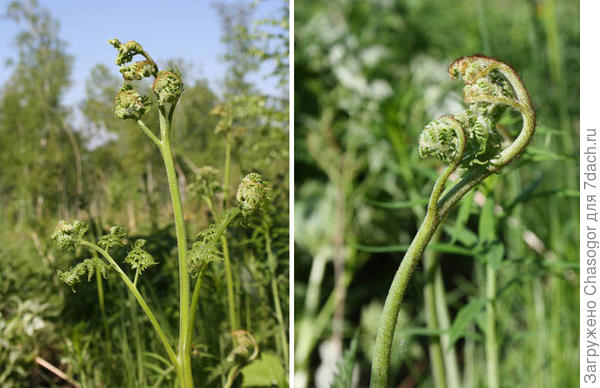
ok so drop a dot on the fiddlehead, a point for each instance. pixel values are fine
(466, 140)
(250, 194)
(129, 103)
(168, 86)
(444, 138)
(491, 87)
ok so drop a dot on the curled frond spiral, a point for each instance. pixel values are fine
(68, 235)
(250, 194)
(129, 104)
(138, 70)
(246, 349)
(469, 140)
(126, 51)
(168, 86)
(490, 87)
(440, 139)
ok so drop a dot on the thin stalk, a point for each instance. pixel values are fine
(184, 277)
(469, 372)
(137, 275)
(448, 351)
(229, 281)
(196, 294)
(430, 261)
(387, 325)
(228, 270)
(491, 345)
(100, 287)
(138, 344)
(391, 308)
(194, 305)
(226, 176)
(275, 290)
(140, 300)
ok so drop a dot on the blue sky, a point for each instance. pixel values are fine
(184, 29)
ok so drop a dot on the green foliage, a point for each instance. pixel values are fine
(138, 258)
(362, 100)
(68, 235)
(130, 105)
(25, 328)
(345, 367)
(206, 182)
(114, 238)
(205, 250)
(102, 170)
(265, 371)
(467, 315)
(250, 194)
(168, 86)
(91, 267)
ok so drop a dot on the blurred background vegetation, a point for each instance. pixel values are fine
(63, 162)
(368, 76)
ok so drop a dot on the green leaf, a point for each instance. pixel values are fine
(439, 247)
(114, 238)
(465, 317)
(542, 154)
(400, 204)
(265, 371)
(494, 254)
(73, 275)
(463, 214)
(462, 235)
(343, 376)
(487, 222)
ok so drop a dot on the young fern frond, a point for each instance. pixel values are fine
(245, 350)
(73, 275)
(205, 250)
(129, 104)
(68, 235)
(250, 194)
(138, 258)
(466, 140)
(113, 239)
(168, 86)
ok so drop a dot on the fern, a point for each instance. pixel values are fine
(114, 238)
(345, 366)
(73, 275)
(138, 258)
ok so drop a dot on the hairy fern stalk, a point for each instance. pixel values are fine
(129, 104)
(466, 141)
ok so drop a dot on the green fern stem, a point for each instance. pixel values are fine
(229, 281)
(232, 215)
(491, 344)
(431, 262)
(489, 85)
(140, 299)
(226, 171)
(184, 276)
(272, 260)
